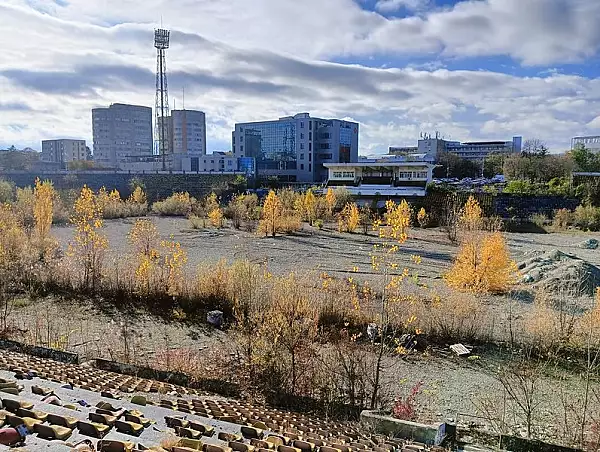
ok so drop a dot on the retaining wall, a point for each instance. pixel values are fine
(158, 185)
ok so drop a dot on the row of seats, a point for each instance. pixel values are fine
(242, 426)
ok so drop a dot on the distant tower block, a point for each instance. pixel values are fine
(161, 42)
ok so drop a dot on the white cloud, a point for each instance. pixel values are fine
(262, 62)
(390, 6)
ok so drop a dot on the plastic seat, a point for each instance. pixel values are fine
(64, 421)
(14, 405)
(129, 428)
(92, 429)
(40, 415)
(102, 419)
(173, 422)
(240, 447)
(206, 430)
(251, 432)
(111, 445)
(215, 448)
(52, 431)
(187, 433)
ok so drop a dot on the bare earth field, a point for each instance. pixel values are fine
(452, 382)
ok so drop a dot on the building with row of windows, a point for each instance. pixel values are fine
(63, 151)
(295, 148)
(590, 142)
(123, 136)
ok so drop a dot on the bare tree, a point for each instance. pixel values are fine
(534, 147)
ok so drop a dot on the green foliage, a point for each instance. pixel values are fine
(585, 159)
(558, 186)
(7, 191)
(451, 165)
(18, 160)
(587, 218)
(537, 168)
(493, 165)
(136, 182)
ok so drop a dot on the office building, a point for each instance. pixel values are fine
(381, 177)
(217, 162)
(590, 142)
(295, 148)
(122, 133)
(188, 132)
(474, 150)
(63, 151)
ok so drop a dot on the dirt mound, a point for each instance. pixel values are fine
(555, 271)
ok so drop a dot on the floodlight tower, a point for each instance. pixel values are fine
(161, 42)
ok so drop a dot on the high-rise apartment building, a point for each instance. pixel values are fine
(121, 133)
(63, 151)
(188, 132)
(294, 148)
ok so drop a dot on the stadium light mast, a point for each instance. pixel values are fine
(161, 43)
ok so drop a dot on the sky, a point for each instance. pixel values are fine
(477, 69)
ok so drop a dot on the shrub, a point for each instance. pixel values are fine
(539, 219)
(178, 204)
(483, 265)
(24, 206)
(318, 224)
(405, 408)
(422, 218)
(216, 217)
(197, 222)
(7, 191)
(586, 217)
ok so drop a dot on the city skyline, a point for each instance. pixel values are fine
(472, 70)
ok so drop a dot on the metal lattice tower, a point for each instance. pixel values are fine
(161, 42)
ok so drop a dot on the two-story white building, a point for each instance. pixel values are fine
(383, 177)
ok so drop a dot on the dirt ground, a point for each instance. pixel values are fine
(327, 250)
(453, 383)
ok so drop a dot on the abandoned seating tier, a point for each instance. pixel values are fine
(63, 404)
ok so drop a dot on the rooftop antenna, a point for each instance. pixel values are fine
(183, 96)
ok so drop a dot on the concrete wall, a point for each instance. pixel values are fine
(158, 186)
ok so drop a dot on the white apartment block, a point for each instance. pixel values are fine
(63, 151)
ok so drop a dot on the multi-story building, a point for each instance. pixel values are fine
(121, 133)
(474, 150)
(188, 132)
(294, 148)
(590, 142)
(218, 162)
(63, 151)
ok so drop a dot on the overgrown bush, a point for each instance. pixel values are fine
(178, 204)
(585, 217)
(7, 191)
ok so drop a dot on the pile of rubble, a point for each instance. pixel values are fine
(555, 271)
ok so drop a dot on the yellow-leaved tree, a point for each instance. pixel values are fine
(330, 200)
(349, 218)
(306, 205)
(43, 208)
(214, 211)
(270, 214)
(144, 239)
(422, 217)
(483, 263)
(89, 244)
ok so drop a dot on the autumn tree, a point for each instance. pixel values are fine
(483, 264)
(306, 205)
(349, 218)
(292, 321)
(89, 243)
(43, 208)
(330, 200)
(214, 211)
(271, 214)
(471, 216)
(422, 217)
